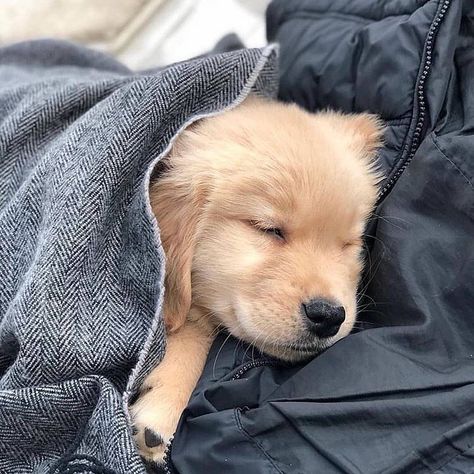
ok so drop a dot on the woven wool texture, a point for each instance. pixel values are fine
(81, 266)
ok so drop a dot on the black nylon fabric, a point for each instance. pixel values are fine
(397, 397)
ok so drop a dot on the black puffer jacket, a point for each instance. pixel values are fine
(397, 397)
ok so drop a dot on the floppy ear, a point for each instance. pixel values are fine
(365, 130)
(177, 209)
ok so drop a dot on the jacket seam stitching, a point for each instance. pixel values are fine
(459, 170)
(238, 422)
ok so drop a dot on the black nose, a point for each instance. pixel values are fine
(324, 317)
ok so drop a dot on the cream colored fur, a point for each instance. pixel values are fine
(229, 181)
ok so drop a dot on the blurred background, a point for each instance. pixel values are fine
(140, 33)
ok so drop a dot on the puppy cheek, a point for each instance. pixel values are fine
(351, 277)
(227, 265)
(248, 261)
(261, 318)
(351, 316)
(274, 309)
(346, 289)
(355, 265)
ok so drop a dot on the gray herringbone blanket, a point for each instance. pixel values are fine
(81, 267)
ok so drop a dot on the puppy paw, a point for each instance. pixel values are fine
(155, 417)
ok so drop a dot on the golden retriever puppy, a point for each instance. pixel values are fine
(261, 211)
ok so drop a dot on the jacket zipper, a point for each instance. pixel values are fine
(168, 466)
(421, 98)
(251, 365)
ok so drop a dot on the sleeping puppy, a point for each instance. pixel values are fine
(261, 211)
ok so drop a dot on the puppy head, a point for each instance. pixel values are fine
(262, 211)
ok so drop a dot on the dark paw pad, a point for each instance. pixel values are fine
(152, 439)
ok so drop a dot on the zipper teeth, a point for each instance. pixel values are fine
(167, 466)
(250, 365)
(420, 96)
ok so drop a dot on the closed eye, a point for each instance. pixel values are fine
(275, 232)
(352, 243)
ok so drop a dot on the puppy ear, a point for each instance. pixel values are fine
(177, 210)
(365, 130)
(368, 131)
